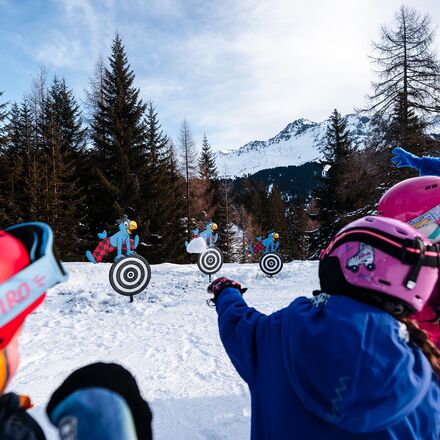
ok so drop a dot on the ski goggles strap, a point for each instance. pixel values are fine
(28, 285)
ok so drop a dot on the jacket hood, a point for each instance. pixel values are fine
(351, 364)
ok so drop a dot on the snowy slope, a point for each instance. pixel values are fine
(168, 338)
(298, 143)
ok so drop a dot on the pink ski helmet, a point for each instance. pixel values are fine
(381, 255)
(415, 201)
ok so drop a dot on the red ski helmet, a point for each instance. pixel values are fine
(13, 258)
(415, 201)
(27, 269)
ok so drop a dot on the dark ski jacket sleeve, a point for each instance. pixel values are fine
(429, 166)
(242, 329)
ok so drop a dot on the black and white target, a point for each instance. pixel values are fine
(130, 275)
(211, 261)
(271, 264)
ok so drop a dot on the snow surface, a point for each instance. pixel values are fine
(168, 338)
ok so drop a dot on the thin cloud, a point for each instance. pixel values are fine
(59, 53)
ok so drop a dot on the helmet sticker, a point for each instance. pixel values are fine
(364, 256)
(431, 216)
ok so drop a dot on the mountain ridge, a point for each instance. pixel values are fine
(299, 142)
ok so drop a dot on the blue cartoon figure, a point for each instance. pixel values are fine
(271, 262)
(209, 234)
(202, 240)
(121, 241)
(210, 259)
(268, 245)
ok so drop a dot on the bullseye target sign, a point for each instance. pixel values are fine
(130, 275)
(210, 261)
(271, 264)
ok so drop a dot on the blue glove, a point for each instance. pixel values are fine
(404, 159)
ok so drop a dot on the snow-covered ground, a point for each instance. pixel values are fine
(167, 338)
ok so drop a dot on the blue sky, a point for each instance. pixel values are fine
(238, 70)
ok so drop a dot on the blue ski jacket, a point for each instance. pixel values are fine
(329, 367)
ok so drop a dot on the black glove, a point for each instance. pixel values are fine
(111, 377)
(222, 283)
(15, 422)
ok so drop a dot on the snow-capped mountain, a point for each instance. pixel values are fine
(298, 143)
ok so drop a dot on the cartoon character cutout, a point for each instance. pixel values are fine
(364, 256)
(121, 241)
(202, 240)
(269, 245)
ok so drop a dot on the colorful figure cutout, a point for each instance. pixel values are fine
(208, 235)
(121, 241)
(269, 245)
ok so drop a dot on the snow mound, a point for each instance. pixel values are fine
(196, 246)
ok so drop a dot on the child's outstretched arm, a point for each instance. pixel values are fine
(239, 326)
(426, 165)
(430, 166)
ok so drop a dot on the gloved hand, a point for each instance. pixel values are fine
(222, 283)
(100, 401)
(404, 159)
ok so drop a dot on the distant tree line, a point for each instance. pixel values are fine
(80, 169)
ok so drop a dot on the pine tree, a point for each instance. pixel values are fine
(64, 137)
(159, 188)
(249, 230)
(406, 90)
(225, 217)
(32, 187)
(332, 195)
(21, 178)
(408, 69)
(11, 171)
(253, 196)
(3, 117)
(174, 228)
(275, 212)
(189, 164)
(208, 175)
(295, 241)
(98, 161)
(119, 141)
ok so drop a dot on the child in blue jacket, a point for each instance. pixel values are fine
(347, 363)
